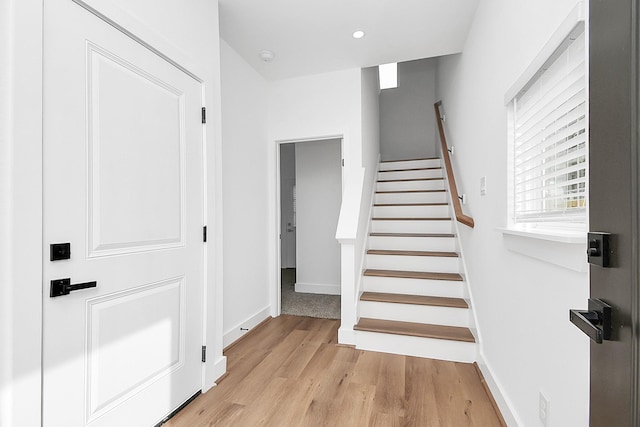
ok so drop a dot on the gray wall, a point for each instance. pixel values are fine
(319, 195)
(407, 123)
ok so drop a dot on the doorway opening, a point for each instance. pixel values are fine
(310, 195)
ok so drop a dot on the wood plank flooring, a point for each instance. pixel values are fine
(291, 372)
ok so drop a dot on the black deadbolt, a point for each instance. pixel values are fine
(599, 249)
(59, 251)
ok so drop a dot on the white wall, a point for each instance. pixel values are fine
(407, 123)
(244, 150)
(311, 108)
(371, 147)
(20, 212)
(527, 342)
(318, 199)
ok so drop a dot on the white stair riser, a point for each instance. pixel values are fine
(405, 226)
(439, 244)
(432, 184)
(411, 164)
(447, 316)
(426, 287)
(414, 263)
(439, 211)
(435, 197)
(415, 346)
(415, 174)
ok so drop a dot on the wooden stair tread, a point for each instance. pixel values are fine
(409, 219)
(411, 234)
(410, 204)
(410, 179)
(411, 253)
(414, 299)
(410, 160)
(413, 275)
(453, 333)
(410, 191)
(411, 169)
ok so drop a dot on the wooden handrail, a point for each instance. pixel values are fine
(457, 207)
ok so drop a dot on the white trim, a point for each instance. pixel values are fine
(123, 21)
(365, 246)
(219, 369)
(318, 288)
(276, 282)
(503, 402)
(235, 333)
(346, 336)
(560, 236)
(573, 23)
(568, 252)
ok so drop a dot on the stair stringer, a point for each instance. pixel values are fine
(363, 255)
(468, 294)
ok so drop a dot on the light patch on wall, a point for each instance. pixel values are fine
(388, 75)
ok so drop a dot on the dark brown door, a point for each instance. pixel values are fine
(613, 199)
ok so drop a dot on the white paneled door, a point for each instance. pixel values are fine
(123, 184)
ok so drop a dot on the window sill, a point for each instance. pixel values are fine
(563, 248)
(560, 236)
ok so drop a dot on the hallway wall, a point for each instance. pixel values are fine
(407, 124)
(319, 195)
(245, 197)
(521, 303)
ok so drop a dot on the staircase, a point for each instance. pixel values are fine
(414, 295)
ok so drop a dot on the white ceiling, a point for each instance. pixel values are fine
(314, 36)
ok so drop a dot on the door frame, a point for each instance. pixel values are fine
(21, 210)
(276, 306)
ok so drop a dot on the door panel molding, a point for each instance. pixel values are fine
(168, 298)
(105, 236)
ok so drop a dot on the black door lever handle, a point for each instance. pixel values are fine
(60, 287)
(595, 322)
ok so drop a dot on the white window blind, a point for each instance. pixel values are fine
(550, 140)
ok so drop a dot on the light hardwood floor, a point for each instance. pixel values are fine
(291, 372)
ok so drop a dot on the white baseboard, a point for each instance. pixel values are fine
(220, 367)
(501, 400)
(318, 288)
(346, 336)
(235, 332)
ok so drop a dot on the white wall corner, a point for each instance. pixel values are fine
(503, 402)
(237, 331)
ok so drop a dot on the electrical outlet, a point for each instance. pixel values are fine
(483, 185)
(543, 410)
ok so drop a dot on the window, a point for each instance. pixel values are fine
(388, 75)
(549, 139)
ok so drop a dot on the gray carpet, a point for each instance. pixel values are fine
(309, 305)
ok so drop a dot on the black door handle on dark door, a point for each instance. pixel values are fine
(595, 322)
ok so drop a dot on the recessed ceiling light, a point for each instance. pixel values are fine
(267, 55)
(358, 34)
